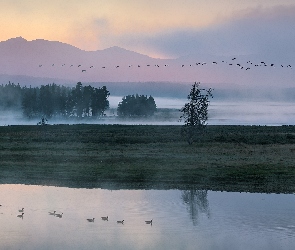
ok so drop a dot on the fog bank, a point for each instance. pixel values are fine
(220, 113)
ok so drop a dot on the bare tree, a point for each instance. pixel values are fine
(195, 112)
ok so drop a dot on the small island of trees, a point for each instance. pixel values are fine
(137, 106)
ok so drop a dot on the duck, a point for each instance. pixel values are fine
(21, 215)
(59, 215)
(21, 210)
(105, 218)
(91, 220)
(149, 221)
(120, 221)
(50, 213)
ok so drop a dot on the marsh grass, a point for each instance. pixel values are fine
(229, 158)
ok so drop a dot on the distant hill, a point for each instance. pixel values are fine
(41, 62)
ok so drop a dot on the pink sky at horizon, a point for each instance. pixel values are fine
(140, 26)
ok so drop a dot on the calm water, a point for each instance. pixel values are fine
(181, 219)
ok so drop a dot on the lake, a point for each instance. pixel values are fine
(182, 219)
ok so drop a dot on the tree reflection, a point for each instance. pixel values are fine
(197, 202)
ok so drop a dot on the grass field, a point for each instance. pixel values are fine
(227, 158)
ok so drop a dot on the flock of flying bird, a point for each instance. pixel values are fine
(233, 62)
(59, 215)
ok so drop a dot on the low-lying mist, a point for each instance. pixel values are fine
(232, 104)
(221, 112)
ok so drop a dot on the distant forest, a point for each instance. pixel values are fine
(55, 101)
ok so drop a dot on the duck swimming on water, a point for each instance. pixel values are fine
(149, 222)
(21, 215)
(59, 215)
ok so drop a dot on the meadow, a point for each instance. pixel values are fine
(225, 158)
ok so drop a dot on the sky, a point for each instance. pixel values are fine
(158, 28)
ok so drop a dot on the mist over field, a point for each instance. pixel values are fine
(220, 113)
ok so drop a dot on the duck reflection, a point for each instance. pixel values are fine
(197, 202)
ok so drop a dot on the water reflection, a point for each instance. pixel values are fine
(197, 202)
(56, 218)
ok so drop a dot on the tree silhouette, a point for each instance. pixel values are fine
(136, 106)
(99, 101)
(59, 101)
(195, 112)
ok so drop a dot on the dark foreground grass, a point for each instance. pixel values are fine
(226, 158)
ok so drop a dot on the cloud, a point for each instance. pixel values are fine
(253, 31)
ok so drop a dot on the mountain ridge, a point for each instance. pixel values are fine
(56, 60)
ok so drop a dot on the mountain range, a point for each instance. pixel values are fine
(41, 62)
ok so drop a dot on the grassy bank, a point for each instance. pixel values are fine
(229, 158)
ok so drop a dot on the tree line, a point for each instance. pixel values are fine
(54, 100)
